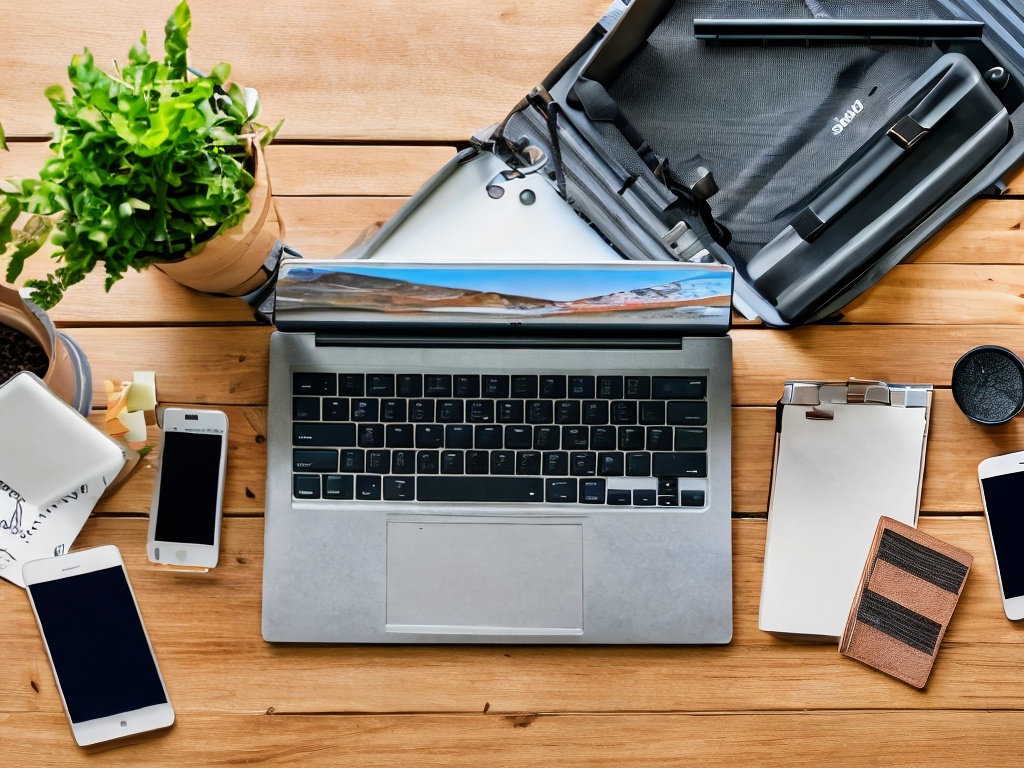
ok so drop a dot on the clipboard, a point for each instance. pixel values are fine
(846, 454)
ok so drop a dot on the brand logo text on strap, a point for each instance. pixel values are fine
(841, 122)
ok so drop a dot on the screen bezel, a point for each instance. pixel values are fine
(1008, 464)
(122, 724)
(188, 553)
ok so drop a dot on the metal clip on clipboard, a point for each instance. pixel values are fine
(846, 453)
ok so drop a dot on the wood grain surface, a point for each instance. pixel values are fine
(376, 97)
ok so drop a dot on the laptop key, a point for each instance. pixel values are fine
(582, 387)
(335, 409)
(638, 464)
(392, 410)
(314, 461)
(619, 497)
(518, 436)
(306, 486)
(429, 436)
(552, 387)
(409, 385)
(477, 463)
(488, 436)
(399, 489)
(686, 413)
(306, 408)
(524, 386)
(687, 439)
(495, 386)
(368, 487)
(453, 463)
(644, 497)
(691, 498)
(528, 462)
(610, 387)
(680, 465)
(403, 462)
(428, 462)
(449, 411)
(466, 385)
(316, 435)
(438, 385)
(314, 383)
(351, 384)
(338, 487)
(638, 387)
(353, 460)
(560, 491)
(679, 387)
(592, 491)
(582, 463)
(540, 412)
(481, 489)
(503, 462)
(380, 384)
(398, 435)
(371, 436)
(458, 436)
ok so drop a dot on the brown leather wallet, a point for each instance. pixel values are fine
(909, 588)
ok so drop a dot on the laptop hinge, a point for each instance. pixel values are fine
(326, 339)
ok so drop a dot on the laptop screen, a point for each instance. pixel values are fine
(338, 294)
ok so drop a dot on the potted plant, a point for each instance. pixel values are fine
(153, 165)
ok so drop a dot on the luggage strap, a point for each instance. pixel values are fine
(692, 191)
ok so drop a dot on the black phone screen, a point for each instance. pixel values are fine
(189, 474)
(97, 644)
(1004, 500)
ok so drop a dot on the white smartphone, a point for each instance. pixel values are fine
(185, 517)
(106, 671)
(1002, 493)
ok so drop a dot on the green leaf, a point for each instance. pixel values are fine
(221, 73)
(3, 139)
(139, 54)
(176, 39)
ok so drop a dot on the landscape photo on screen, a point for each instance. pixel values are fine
(528, 291)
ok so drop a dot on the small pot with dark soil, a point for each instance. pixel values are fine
(29, 342)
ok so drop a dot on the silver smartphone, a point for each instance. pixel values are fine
(105, 667)
(185, 517)
(1002, 492)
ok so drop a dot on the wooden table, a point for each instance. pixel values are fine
(376, 96)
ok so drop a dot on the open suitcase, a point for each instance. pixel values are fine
(810, 145)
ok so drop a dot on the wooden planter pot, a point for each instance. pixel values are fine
(233, 262)
(67, 372)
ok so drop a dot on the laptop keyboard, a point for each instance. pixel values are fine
(628, 440)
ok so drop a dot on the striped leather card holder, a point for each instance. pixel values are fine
(909, 588)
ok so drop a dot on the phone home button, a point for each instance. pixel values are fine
(182, 554)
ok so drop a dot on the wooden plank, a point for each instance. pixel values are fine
(225, 365)
(764, 359)
(245, 481)
(214, 659)
(987, 232)
(943, 294)
(353, 170)
(389, 70)
(857, 739)
(302, 169)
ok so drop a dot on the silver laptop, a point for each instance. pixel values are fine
(529, 453)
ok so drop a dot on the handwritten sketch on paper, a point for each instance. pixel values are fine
(29, 532)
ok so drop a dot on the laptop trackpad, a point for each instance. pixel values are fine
(485, 578)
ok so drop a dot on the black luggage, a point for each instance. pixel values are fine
(810, 145)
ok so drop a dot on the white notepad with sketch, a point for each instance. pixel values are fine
(54, 465)
(845, 455)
